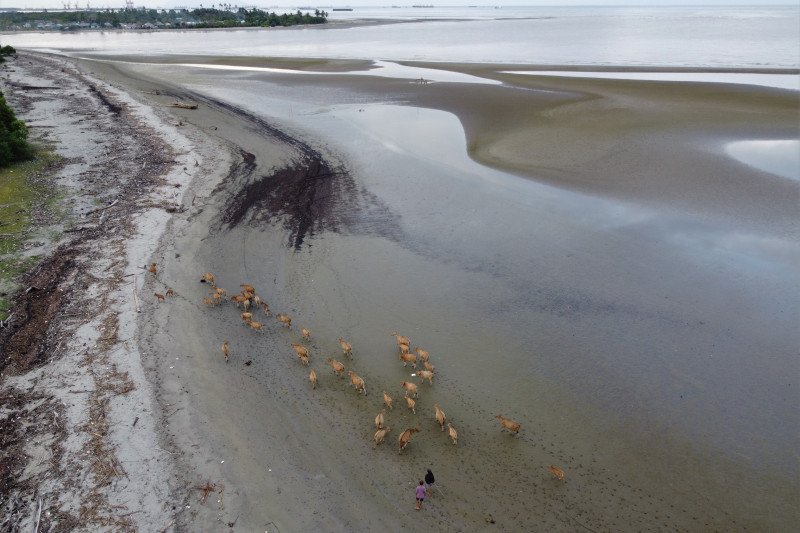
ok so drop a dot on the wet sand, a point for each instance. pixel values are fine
(616, 316)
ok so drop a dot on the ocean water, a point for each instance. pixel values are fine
(713, 37)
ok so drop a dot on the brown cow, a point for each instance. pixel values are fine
(357, 382)
(509, 424)
(405, 438)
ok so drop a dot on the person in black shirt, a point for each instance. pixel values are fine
(429, 481)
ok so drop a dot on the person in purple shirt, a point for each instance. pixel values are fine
(420, 492)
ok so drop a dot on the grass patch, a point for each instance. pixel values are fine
(25, 188)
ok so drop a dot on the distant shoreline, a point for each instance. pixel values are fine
(335, 24)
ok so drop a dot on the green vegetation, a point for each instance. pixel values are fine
(14, 145)
(6, 51)
(225, 17)
(23, 187)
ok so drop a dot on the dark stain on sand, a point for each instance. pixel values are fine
(310, 195)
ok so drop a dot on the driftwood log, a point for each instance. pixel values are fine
(181, 105)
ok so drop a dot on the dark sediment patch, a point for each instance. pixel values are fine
(310, 195)
(114, 108)
(23, 341)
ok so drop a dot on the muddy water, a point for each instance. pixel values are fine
(649, 354)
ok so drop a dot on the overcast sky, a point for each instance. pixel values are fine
(57, 4)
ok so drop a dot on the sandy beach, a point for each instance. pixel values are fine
(554, 243)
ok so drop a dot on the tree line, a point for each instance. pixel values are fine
(175, 18)
(13, 133)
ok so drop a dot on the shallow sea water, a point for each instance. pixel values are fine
(780, 156)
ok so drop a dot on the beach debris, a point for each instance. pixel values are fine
(357, 382)
(225, 350)
(248, 363)
(159, 296)
(556, 472)
(411, 388)
(338, 368)
(39, 507)
(181, 105)
(452, 433)
(379, 420)
(312, 377)
(134, 290)
(112, 204)
(441, 418)
(380, 435)
(387, 400)
(405, 438)
(153, 269)
(5, 323)
(206, 489)
(509, 424)
(347, 348)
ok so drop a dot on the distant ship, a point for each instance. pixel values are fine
(427, 5)
(342, 8)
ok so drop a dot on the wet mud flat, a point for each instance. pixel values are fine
(295, 457)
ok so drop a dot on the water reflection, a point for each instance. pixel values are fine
(780, 157)
(383, 69)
